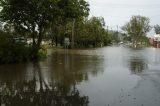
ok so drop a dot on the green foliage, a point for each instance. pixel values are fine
(91, 33)
(157, 29)
(115, 37)
(88, 32)
(73, 8)
(10, 51)
(137, 27)
(107, 39)
(70, 10)
(30, 16)
(145, 41)
(42, 53)
(127, 38)
(34, 17)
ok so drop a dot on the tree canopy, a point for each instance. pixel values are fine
(35, 16)
(137, 27)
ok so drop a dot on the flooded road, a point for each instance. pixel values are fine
(109, 76)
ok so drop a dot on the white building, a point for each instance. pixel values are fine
(157, 37)
(157, 40)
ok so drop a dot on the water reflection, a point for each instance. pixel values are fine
(103, 74)
(137, 65)
(51, 82)
(13, 72)
(37, 92)
(73, 67)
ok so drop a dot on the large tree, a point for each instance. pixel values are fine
(73, 11)
(91, 32)
(31, 16)
(34, 17)
(137, 27)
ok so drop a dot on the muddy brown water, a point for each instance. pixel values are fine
(108, 76)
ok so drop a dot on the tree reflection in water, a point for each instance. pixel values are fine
(137, 65)
(31, 93)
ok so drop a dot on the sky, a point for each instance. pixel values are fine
(118, 12)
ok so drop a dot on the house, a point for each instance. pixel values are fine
(155, 41)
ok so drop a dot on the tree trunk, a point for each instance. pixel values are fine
(36, 45)
(34, 48)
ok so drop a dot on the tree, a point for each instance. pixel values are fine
(157, 29)
(31, 16)
(12, 51)
(97, 24)
(91, 32)
(137, 27)
(73, 10)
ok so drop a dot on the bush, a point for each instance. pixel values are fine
(42, 53)
(11, 51)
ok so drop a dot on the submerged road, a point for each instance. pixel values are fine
(109, 76)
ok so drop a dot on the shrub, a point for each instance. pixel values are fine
(11, 51)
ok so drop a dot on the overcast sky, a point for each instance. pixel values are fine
(118, 12)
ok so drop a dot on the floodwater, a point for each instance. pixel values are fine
(109, 76)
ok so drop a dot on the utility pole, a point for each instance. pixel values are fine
(107, 30)
(73, 27)
(117, 30)
(118, 33)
